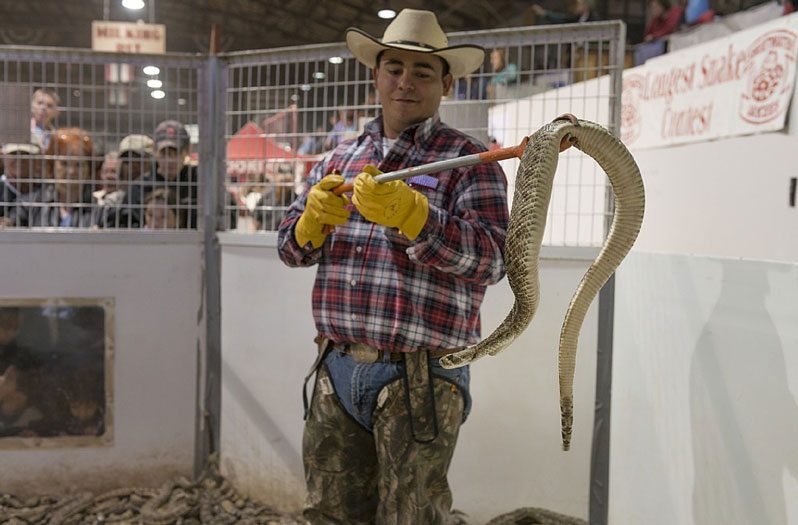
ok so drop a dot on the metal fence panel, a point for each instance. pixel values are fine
(59, 169)
(286, 107)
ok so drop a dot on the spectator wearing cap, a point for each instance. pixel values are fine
(172, 144)
(43, 112)
(171, 151)
(20, 182)
(136, 179)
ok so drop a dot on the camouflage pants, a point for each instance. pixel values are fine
(385, 478)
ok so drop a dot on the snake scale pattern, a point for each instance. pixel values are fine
(525, 236)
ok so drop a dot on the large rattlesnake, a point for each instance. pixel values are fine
(525, 236)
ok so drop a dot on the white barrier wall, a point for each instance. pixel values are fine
(509, 453)
(705, 392)
(155, 281)
(728, 197)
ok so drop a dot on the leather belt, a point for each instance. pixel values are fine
(363, 353)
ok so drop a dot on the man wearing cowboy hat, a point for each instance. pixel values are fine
(399, 284)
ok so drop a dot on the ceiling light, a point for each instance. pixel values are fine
(386, 13)
(151, 70)
(319, 75)
(134, 5)
(335, 60)
(305, 87)
(154, 83)
(158, 94)
(181, 102)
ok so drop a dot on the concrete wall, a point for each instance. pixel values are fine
(155, 281)
(508, 455)
(705, 392)
(728, 198)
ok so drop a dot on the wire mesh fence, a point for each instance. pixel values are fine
(84, 145)
(285, 108)
(97, 141)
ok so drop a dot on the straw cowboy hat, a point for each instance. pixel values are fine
(414, 30)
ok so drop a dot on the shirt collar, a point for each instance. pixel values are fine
(418, 133)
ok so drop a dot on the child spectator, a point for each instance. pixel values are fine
(161, 212)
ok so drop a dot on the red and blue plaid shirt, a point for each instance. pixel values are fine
(373, 285)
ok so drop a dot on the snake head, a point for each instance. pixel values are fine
(569, 117)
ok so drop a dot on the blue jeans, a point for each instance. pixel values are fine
(358, 384)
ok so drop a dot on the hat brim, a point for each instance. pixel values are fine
(462, 59)
(166, 144)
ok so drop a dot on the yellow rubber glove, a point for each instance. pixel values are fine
(393, 204)
(322, 207)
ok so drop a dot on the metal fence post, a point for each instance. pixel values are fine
(600, 455)
(211, 170)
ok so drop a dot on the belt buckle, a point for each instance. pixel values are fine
(363, 353)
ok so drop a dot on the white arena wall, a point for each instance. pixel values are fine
(509, 454)
(704, 389)
(156, 284)
(704, 392)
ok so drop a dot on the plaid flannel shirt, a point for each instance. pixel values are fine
(373, 285)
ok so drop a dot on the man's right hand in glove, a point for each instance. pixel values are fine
(323, 207)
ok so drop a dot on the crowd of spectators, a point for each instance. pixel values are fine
(60, 179)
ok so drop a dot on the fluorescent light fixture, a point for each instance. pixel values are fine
(319, 75)
(151, 70)
(158, 94)
(305, 87)
(181, 102)
(387, 14)
(335, 60)
(134, 5)
(154, 83)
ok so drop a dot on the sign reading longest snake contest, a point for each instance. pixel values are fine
(736, 85)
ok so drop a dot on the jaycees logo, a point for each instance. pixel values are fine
(631, 120)
(769, 73)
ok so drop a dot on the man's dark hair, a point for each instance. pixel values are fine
(443, 61)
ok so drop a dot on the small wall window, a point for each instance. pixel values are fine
(55, 372)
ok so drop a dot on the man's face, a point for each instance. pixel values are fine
(43, 109)
(109, 174)
(133, 165)
(169, 162)
(410, 85)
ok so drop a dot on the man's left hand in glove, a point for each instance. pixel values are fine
(393, 204)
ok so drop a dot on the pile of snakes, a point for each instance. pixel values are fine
(209, 500)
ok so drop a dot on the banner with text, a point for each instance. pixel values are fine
(124, 37)
(736, 85)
